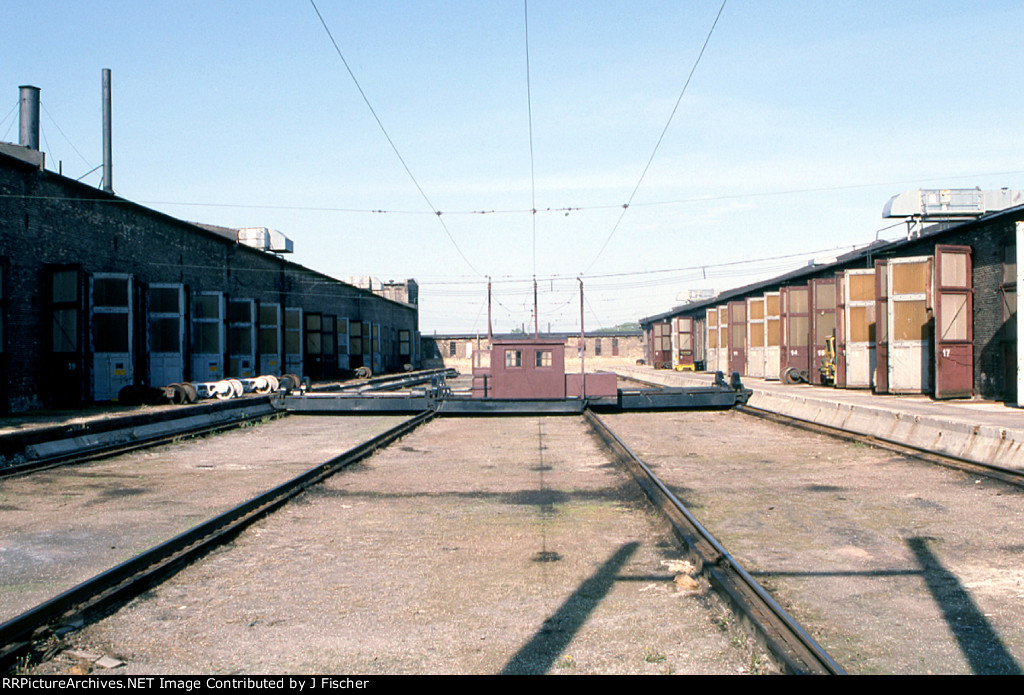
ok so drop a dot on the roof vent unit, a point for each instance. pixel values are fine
(265, 240)
(947, 203)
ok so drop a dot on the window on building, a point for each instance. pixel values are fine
(293, 331)
(269, 338)
(451, 348)
(241, 317)
(165, 334)
(65, 304)
(111, 320)
(543, 358)
(330, 335)
(342, 336)
(110, 292)
(597, 347)
(164, 300)
(314, 324)
(404, 343)
(355, 338)
(513, 358)
(615, 347)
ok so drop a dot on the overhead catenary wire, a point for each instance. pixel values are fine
(391, 142)
(518, 211)
(529, 112)
(636, 188)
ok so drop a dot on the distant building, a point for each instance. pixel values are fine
(602, 347)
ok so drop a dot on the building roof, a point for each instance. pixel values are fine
(84, 191)
(878, 248)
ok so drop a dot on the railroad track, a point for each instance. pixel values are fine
(1006, 475)
(29, 633)
(71, 444)
(26, 634)
(793, 649)
(64, 446)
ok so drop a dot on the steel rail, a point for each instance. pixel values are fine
(96, 597)
(115, 448)
(792, 647)
(991, 470)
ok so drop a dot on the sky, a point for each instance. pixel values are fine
(800, 120)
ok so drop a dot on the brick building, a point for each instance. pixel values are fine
(957, 322)
(97, 293)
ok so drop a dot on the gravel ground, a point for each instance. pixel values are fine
(63, 526)
(894, 565)
(488, 545)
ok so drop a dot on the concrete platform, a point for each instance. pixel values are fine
(988, 432)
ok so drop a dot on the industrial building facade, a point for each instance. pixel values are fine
(97, 293)
(457, 349)
(932, 314)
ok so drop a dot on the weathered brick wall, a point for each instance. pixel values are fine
(47, 219)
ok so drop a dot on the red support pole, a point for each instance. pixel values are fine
(583, 347)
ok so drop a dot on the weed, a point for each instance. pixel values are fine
(566, 662)
(723, 622)
(653, 656)
(22, 665)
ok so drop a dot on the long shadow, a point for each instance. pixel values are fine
(539, 654)
(978, 641)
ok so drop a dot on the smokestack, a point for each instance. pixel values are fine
(108, 181)
(29, 131)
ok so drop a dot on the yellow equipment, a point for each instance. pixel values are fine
(828, 367)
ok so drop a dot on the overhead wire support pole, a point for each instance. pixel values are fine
(583, 347)
(537, 330)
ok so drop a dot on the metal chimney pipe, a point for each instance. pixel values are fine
(28, 135)
(108, 180)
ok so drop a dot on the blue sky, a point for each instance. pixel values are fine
(801, 120)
